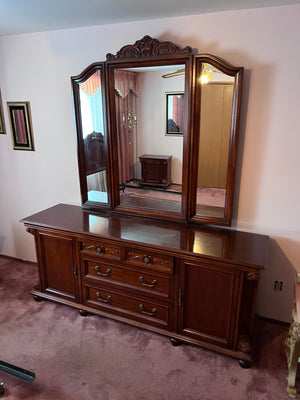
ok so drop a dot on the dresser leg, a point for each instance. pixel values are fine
(175, 342)
(83, 313)
(245, 364)
(37, 298)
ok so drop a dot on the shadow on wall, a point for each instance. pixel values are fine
(271, 301)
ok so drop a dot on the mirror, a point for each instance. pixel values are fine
(91, 135)
(217, 96)
(169, 148)
(174, 113)
(150, 163)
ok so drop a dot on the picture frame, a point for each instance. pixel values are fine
(2, 122)
(21, 126)
(174, 113)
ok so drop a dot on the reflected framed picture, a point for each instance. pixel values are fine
(174, 113)
(2, 124)
(21, 127)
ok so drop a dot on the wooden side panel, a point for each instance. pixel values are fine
(208, 301)
(58, 266)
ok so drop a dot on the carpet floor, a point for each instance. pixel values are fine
(83, 358)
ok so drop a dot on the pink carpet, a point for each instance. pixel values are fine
(205, 196)
(83, 358)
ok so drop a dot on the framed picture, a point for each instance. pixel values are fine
(2, 124)
(174, 113)
(21, 127)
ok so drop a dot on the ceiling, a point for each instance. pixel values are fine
(24, 16)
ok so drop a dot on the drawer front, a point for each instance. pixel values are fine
(149, 260)
(128, 306)
(151, 283)
(102, 249)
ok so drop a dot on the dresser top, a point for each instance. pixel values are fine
(233, 246)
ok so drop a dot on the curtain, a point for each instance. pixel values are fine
(178, 107)
(125, 96)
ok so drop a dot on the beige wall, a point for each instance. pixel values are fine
(37, 67)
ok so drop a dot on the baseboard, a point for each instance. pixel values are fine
(18, 260)
(273, 321)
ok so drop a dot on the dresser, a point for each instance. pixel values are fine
(156, 170)
(194, 285)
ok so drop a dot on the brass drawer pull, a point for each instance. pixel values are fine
(101, 250)
(151, 285)
(107, 273)
(154, 310)
(107, 300)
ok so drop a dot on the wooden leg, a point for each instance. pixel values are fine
(175, 342)
(245, 364)
(83, 313)
(37, 298)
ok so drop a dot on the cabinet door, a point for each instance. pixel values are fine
(208, 299)
(58, 267)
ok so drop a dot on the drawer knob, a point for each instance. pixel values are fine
(147, 260)
(154, 310)
(106, 273)
(107, 300)
(151, 285)
(101, 249)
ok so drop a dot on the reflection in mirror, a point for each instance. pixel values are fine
(215, 130)
(92, 121)
(150, 163)
(174, 113)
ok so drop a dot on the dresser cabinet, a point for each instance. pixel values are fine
(194, 285)
(156, 170)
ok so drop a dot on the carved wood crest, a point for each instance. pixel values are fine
(149, 47)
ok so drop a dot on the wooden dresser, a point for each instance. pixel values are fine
(194, 285)
(156, 170)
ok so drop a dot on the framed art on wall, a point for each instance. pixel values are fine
(2, 124)
(21, 127)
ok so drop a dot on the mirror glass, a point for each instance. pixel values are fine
(150, 162)
(174, 113)
(214, 139)
(92, 121)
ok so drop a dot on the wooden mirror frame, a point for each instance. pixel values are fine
(152, 52)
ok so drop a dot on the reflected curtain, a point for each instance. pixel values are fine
(92, 92)
(125, 96)
(20, 125)
(178, 106)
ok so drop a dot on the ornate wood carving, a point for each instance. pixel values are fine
(30, 230)
(149, 47)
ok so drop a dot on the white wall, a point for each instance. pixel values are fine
(152, 119)
(37, 67)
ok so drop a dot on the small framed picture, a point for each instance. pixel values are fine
(2, 124)
(21, 127)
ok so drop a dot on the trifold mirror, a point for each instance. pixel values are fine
(157, 133)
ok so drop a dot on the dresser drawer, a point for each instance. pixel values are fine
(136, 279)
(149, 260)
(128, 306)
(102, 249)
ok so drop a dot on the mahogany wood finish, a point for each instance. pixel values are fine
(150, 52)
(192, 284)
(156, 170)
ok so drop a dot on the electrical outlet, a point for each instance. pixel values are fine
(278, 286)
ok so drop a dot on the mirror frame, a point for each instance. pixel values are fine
(76, 80)
(152, 52)
(237, 73)
(168, 96)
